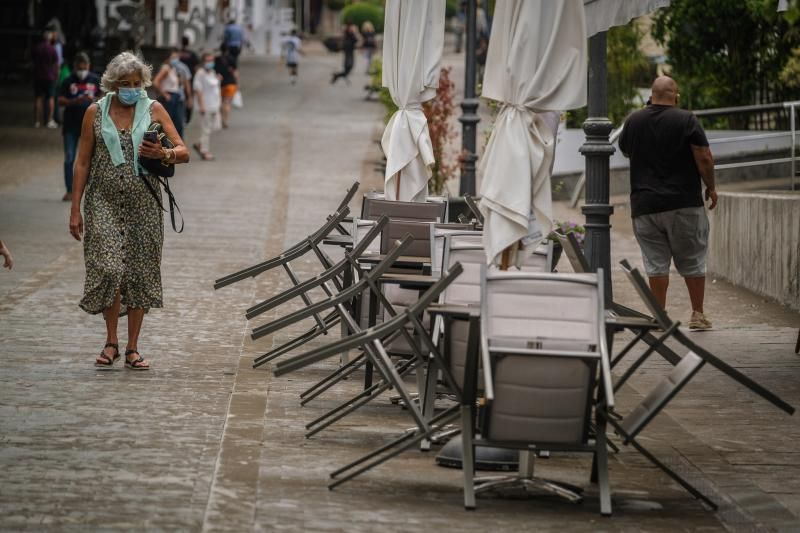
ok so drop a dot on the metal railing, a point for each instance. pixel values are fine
(757, 108)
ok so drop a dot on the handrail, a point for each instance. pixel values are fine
(792, 106)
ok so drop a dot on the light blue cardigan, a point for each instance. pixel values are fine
(141, 121)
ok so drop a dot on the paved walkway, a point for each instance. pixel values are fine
(204, 442)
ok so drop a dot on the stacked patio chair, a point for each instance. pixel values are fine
(473, 207)
(374, 339)
(328, 280)
(333, 227)
(619, 316)
(333, 223)
(671, 330)
(541, 370)
(390, 373)
(629, 427)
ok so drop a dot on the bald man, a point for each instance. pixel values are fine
(670, 161)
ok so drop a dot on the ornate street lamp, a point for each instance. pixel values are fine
(469, 106)
(597, 150)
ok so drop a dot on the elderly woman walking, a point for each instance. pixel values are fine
(124, 228)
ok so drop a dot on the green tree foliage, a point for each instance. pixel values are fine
(727, 52)
(359, 12)
(628, 69)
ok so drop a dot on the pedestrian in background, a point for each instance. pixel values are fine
(5, 253)
(292, 50)
(670, 161)
(458, 24)
(190, 59)
(172, 85)
(368, 42)
(124, 230)
(233, 39)
(349, 41)
(77, 93)
(57, 39)
(45, 74)
(223, 65)
(208, 94)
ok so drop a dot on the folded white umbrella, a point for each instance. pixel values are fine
(536, 65)
(413, 39)
(604, 14)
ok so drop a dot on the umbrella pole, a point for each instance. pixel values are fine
(505, 259)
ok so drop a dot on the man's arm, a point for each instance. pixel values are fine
(705, 165)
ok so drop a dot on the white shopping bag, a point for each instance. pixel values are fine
(237, 100)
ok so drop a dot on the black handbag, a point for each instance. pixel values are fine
(161, 172)
(157, 167)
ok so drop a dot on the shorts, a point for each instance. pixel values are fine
(45, 88)
(229, 90)
(292, 65)
(679, 235)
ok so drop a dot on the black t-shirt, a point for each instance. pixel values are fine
(664, 175)
(224, 67)
(349, 43)
(72, 87)
(369, 39)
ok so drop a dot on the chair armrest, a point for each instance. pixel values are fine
(409, 281)
(461, 311)
(338, 240)
(631, 322)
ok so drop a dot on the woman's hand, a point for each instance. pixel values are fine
(151, 150)
(76, 225)
(166, 96)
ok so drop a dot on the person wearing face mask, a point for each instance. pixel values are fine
(78, 91)
(124, 225)
(173, 84)
(208, 95)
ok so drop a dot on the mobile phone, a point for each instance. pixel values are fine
(151, 136)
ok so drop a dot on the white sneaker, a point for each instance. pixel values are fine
(52, 124)
(37, 124)
(699, 322)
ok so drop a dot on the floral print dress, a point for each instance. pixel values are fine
(124, 232)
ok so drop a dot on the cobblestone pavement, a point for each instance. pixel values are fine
(205, 442)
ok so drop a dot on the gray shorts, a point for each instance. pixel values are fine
(680, 235)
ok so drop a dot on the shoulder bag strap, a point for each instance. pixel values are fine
(173, 204)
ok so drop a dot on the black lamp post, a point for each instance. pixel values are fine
(469, 106)
(597, 150)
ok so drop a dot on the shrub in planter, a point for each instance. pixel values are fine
(361, 12)
(335, 5)
(438, 112)
(564, 228)
(451, 8)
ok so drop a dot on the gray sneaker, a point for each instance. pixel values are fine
(699, 322)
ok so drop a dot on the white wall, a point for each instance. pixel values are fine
(755, 243)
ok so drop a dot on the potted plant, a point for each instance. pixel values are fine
(562, 228)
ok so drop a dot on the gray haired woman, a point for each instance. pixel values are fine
(124, 228)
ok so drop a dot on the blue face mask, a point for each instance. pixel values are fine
(174, 62)
(210, 66)
(129, 95)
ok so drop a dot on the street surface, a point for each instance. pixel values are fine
(203, 442)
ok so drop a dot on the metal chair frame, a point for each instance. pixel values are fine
(374, 337)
